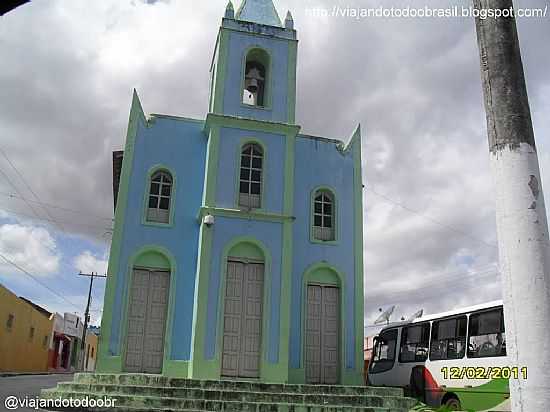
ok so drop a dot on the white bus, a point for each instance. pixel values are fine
(455, 359)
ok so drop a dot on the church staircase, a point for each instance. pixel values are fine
(140, 393)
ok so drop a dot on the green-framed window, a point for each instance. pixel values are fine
(160, 196)
(250, 178)
(324, 217)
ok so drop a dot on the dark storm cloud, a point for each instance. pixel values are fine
(68, 71)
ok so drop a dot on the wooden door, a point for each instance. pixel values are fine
(242, 321)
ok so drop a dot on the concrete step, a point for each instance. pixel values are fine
(129, 396)
(162, 381)
(208, 391)
(138, 392)
(145, 403)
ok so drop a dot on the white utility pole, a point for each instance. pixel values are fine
(521, 215)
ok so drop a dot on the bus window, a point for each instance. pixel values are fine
(486, 335)
(383, 356)
(415, 341)
(448, 339)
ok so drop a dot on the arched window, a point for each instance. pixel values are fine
(160, 194)
(250, 181)
(323, 216)
(256, 73)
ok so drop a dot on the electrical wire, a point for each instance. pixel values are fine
(33, 277)
(435, 221)
(80, 212)
(19, 193)
(13, 212)
(28, 186)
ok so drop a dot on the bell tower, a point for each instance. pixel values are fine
(253, 72)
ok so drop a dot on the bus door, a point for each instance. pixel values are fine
(383, 358)
(413, 353)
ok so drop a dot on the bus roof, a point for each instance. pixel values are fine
(467, 309)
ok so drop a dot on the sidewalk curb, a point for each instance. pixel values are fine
(13, 374)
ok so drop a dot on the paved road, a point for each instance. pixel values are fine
(27, 385)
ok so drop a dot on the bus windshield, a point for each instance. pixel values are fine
(384, 351)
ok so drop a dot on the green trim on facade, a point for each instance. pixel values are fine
(221, 70)
(175, 368)
(107, 361)
(324, 276)
(335, 216)
(291, 88)
(296, 375)
(148, 260)
(247, 250)
(288, 190)
(355, 141)
(243, 214)
(109, 364)
(201, 368)
(353, 377)
(312, 275)
(154, 116)
(146, 192)
(210, 181)
(152, 259)
(287, 255)
(213, 119)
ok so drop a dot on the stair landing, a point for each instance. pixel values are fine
(140, 392)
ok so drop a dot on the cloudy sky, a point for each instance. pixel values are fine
(66, 78)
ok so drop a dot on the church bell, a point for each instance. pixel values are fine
(253, 80)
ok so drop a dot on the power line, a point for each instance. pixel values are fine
(18, 192)
(30, 189)
(400, 296)
(50, 248)
(395, 298)
(452, 281)
(33, 277)
(49, 220)
(452, 275)
(437, 222)
(80, 212)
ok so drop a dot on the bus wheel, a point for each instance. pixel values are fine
(452, 403)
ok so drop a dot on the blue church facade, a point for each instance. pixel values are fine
(238, 249)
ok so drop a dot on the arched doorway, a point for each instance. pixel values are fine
(149, 290)
(322, 326)
(243, 311)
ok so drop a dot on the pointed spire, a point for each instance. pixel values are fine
(289, 21)
(229, 11)
(259, 11)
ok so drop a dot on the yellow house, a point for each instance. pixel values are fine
(25, 333)
(91, 351)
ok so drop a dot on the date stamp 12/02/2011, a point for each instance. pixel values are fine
(484, 372)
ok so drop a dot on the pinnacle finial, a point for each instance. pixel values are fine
(289, 21)
(229, 11)
(258, 11)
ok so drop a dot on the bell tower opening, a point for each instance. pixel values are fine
(256, 78)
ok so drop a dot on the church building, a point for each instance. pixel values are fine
(237, 250)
